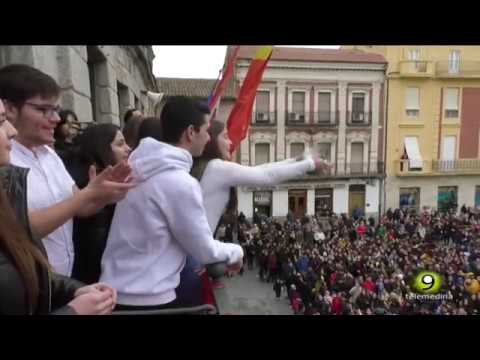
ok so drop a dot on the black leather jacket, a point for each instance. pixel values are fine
(55, 290)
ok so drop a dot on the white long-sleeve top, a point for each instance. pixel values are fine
(220, 175)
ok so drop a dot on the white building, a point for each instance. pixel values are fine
(328, 101)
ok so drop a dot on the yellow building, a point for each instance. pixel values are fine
(433, 125)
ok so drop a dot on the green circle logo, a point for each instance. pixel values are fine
(428, 283)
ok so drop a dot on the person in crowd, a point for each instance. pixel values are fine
(30, 98)
(100, 145)
(27, 284)
(163, 219)
(131, 124)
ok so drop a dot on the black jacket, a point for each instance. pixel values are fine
(89, 234)
(56, 291)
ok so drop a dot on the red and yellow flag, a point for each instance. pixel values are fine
(239, 119)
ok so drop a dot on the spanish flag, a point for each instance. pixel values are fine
(239, 120)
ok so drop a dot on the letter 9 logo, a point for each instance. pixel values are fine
(427, 282)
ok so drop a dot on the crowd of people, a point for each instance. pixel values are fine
(105, 218)
(101, 219)
(355, 266)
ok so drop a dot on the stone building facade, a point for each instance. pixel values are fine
(328, 101)
(99, 83)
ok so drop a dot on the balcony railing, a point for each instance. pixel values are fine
(417, 68)
(457, 166)
(460, 69)
(297, 118)
(359, 118)
(261, 118)
(351, 170)
(326, 118)
(438, 167)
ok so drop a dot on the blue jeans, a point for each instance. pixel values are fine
(190, 290)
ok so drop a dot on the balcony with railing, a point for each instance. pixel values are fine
(350, 170)
(457, 167)
(312, 119)
(261, 118)
(437, 167)
(326, 118)
(459, 69)
(417, 69)
(359, 118)
(297, 118)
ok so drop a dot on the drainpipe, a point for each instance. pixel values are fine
(385, 137)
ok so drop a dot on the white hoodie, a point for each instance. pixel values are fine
(159, 222)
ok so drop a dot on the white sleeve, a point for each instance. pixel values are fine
(188, 223)
(233, 174)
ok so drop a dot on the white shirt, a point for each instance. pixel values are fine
(220, 175)
(48, 183)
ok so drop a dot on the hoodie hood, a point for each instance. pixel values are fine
(152, 157)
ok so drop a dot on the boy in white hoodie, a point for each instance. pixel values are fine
(163, 219)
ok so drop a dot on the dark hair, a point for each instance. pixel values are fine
(128, 115)
(25, 256)
(19, 82)
(180, 112)
(150, 127)
(130, 131)
(94, 145)
(211, 152)
(64, 114)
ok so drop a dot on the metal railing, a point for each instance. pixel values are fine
(359, 118)
(457, 166)
(417, 68)
(297, 118)
(458, 69)
(363, 169)
(438, 167)
(326, 118)
(261, 118)
(205, 309)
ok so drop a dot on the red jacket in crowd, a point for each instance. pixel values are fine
(369, 285)
(337, 305)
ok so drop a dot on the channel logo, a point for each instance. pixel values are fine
(427, 283)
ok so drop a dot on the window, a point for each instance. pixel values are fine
(262, 154)
(296, 149)
(324, 104)
(447, 198)
(410, 198)
(323, 201)
(262, 203)
(356, 158)
(262, 106)
(324, 151)
(358, 107)
(123, 100)
(414, 55)
(454, 62)
(298, 107)
(451, 103)
(412, 153)
(412, 102)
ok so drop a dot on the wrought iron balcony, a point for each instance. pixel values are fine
(261, 118)
(359, 118)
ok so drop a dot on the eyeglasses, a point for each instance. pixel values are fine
(46, 110)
